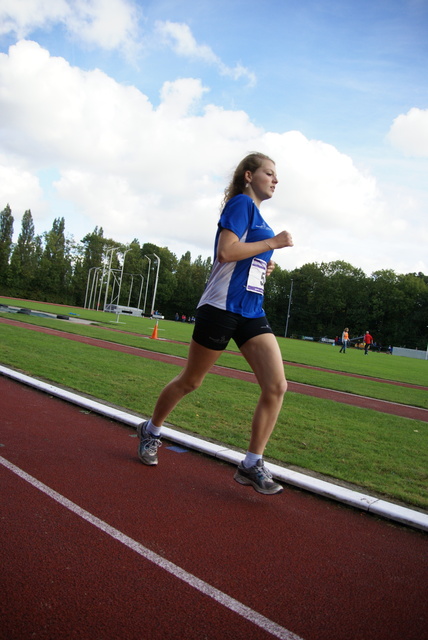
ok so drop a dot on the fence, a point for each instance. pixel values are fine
(410, 353)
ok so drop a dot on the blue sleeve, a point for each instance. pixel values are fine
(236, 215)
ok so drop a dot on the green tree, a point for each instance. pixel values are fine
(344, 298)
(190, 281)
(88, 265)
(328, 297)
(93, 248)
(386, 306)
(201, 272)
(55, 272)
(308, 285)
(6, 235)
(277, 292)
(25, 258)
(411, 323)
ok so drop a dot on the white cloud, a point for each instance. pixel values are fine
(108, 24)
(181, 40)
(58, 113)
(158, 174)
(323, 183)
(409, 133)
(178, 98)
(22, 17)
(19, 187)
(107, 198)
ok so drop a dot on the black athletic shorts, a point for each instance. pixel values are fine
(215, 327)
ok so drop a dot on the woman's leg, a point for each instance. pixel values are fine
(264, 356)
(199, 362)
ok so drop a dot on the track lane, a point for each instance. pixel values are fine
(311, 566)
(68, 586)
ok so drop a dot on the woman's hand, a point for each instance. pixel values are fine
(281, 240)
(270, 267)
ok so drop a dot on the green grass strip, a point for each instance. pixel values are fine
(325, 379)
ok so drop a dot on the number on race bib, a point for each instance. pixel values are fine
(257, 276)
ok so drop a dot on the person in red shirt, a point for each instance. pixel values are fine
(368, 340)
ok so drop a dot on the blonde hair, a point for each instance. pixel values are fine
(237, 185)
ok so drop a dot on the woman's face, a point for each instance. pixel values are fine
(263, 181)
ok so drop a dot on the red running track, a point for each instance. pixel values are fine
(226, 562)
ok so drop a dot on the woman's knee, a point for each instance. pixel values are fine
(282, 388)
(276, 389)
(188, 384)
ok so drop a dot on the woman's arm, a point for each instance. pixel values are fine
(230, 249)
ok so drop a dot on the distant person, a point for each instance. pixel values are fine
(345, 338)
(231, 308)
(368, 340)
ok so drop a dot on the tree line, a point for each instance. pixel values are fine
(326, 297)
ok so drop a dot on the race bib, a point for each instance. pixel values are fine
(257, 276)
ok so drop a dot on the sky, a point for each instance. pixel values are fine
(132, 115)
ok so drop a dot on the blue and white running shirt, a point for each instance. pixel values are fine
(238, 286)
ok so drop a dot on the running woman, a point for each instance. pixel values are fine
(231, 308)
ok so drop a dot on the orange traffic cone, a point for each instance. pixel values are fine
(154, 335)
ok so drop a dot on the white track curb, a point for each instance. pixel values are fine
(373, 505)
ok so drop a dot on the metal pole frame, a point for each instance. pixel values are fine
(289, 305)
(147, 283)
(141, 287)
(94, 286)
(87, 284)
(113, 272)
(121, 274)
(109, 270)
(156, 284)
(130, 289)
(139, 275)
(108, 279)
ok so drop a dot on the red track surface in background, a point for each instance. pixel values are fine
(405, 411)
(313, 567)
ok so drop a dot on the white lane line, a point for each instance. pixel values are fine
(201, 586)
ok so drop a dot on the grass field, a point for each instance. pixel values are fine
(380, 453)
